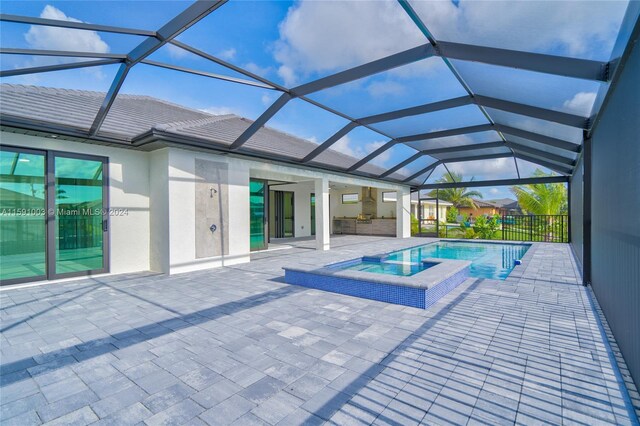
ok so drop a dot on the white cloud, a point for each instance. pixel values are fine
(267, 99)
(257, 69)
(176, 52)
(327, 36)
(53, 38)
(572, 27)
(227, 54)
(287, 75)
(343, 145)
(323, 37)
(494, 191)
(346, 146)
(386, 88)
(497, 168)
(581, 103)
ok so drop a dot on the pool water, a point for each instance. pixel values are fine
(388, 268)
(488, 260)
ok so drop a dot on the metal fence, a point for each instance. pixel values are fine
(547, 228)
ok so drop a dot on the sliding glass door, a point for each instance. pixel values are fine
(53, 215)
(313, 214)
(281, 214)
(23, 236)
(80, 224)
(257, 214)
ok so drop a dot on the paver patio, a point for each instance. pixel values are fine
(237, 345)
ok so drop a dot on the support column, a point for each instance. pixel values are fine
(403, 213)
(322, 213)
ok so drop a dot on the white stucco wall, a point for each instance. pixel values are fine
(159, 256)
(158, 190)
(385, 209)
(337, 209)
(182, 211)
(128, 189)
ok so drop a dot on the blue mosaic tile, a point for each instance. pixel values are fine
(400, 295)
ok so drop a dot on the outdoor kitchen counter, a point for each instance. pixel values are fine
(352, 226)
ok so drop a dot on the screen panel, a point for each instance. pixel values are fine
(535, 125)
(291, 43)
(451, 156)
(457, 140)
(469, 115)
(529, 169)
(413, 168)
(479, 170)
(553, 92)
(354, 146)
(69, 107)
(419, 83)
(188, 98)
(564, 28)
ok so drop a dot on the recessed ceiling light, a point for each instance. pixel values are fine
(24, 160)
(54, 136)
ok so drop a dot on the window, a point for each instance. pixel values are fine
(389, 197)
(350, 198)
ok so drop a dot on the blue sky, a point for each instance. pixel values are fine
(295, 42)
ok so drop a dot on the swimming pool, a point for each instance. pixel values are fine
(488, 260)
(383, 266)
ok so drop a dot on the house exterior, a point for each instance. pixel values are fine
(429, 208)
(492, 207)
(143, 196)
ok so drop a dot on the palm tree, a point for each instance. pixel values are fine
(545, 199)
(542, 198)
(459, 197)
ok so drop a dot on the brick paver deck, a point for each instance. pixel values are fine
(237, 345)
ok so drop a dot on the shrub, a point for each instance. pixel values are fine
(442, 229)
(452, 215)
(466, 231)
(486, 228)
(415, 225)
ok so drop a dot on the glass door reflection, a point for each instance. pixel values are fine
(257, 209)
(23, 237)
(80, 222)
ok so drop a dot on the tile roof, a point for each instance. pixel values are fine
(134, 115)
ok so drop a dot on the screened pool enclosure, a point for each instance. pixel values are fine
(400, 93)
(443, 96)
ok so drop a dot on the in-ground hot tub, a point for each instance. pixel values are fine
(417, 284)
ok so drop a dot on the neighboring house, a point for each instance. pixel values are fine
(500, 207)
(506, 206)
(429, 208)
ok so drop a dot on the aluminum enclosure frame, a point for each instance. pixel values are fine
(554, 65)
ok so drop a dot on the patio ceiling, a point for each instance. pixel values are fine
(502, 100)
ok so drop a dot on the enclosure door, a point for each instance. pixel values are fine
(53, 215)
(428, 217)
(258, 217)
